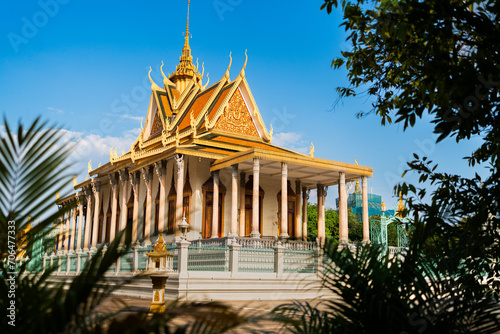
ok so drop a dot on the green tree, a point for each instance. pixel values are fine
(312, 221)
(332, 223)
(439, 59)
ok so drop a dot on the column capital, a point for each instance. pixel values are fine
(147, 174)
(123, 175)
(113, 180)
(179, 159)
(96, 186)
(284, 169)
(234, 171)
(256, 165)
(134, 181)
(306, 192)
(159, 167)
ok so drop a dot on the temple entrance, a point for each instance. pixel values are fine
(208, 207)
(208, 217)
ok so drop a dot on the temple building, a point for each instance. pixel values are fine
(205, 154)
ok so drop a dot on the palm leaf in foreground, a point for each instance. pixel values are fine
(379, 294)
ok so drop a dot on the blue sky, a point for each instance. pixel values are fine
(83, 64)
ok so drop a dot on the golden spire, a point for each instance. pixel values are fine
(186, 69)
(187, 29)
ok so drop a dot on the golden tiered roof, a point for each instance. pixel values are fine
(220, 122)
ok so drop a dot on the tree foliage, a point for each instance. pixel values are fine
(441, 59)
(438, 58)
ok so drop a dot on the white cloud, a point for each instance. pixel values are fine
(292, 141)
(59, 111)
(96, 148)
(126, 116)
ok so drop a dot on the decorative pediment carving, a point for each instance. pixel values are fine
(236, 117)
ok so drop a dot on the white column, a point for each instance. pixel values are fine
(161, 170)
(366, 222)
(61, 234)
(148, 179)
(298, 198)
(305, 195)
(67, 228)
(321, 213)
(215, 208)
(255, 202)
(88, 220)
(242, 205)
(179, 159)
(234, 201)
(134, 181)
(343, 229)
(284, 201)
(113, 181)
(80, 223)
(124, 200)
(71, 246)
(96, 188)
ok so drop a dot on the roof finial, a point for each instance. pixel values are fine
(242, 73)
(185, 70)
(187, 27)
(229, 67)
(153, 85)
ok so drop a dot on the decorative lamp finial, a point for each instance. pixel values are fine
(183, 227)
(90, 165)
(311, 151)
(74, 181)
(356, 160)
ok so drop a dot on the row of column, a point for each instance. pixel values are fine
(93, 194)
(321, 195)
(92, 197)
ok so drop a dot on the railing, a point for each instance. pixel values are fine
(300, 261)
(254, 260)
(268, 255)
(209, 257)
(127, 262)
